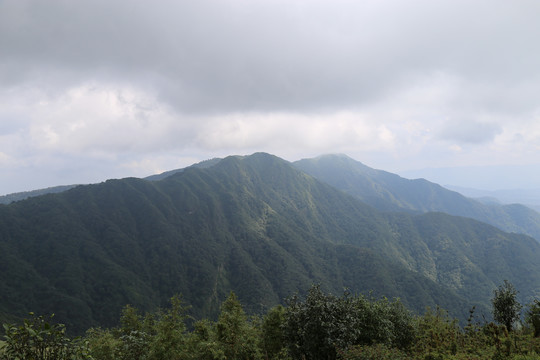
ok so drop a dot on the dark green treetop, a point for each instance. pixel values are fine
(506, 308)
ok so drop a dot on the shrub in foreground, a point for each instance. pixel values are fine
(40, 338)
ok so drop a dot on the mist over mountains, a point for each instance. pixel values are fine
(390, 192)
(527, 197)
(264, 228)
(487, 178)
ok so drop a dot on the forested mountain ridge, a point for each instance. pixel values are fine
(383, 190)
(255, 225)
(9, 198)
(390, 192)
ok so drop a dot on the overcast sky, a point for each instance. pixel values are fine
(94, 89)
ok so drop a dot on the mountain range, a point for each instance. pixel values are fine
(390, 192)
(527, 197)
(264, 228)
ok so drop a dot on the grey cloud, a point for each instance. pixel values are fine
(211, 56)
(282, 71)
(470, 132)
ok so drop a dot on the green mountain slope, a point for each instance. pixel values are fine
(255, 225)
(390, 192)
(201, 165)
(9, 198)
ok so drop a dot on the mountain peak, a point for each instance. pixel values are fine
(253, 224)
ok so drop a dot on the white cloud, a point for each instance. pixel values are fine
(293, 132)
(141, 86)
(157, 164)
(5, 159)
(99, 118)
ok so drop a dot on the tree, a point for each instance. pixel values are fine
(314, 328)
(506, 308)
(533, 317)
(272, 337)
(169, 332)
(235, 333)
(40, 339)
(321, 325)
(160, 335)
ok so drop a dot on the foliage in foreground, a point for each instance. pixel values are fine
(506, 308)
(321, 326)
(317, 327)
(39, 338)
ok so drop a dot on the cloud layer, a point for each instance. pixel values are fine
(97, 89)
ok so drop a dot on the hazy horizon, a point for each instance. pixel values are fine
(483, 178)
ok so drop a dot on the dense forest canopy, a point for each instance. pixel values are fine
(255, 225)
